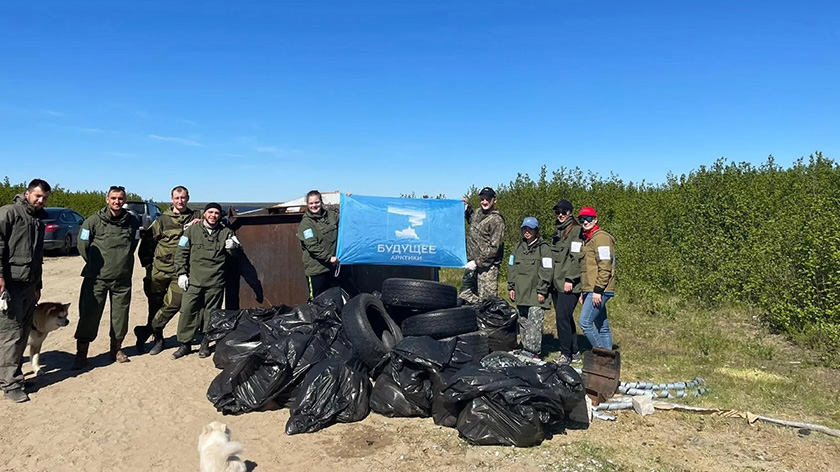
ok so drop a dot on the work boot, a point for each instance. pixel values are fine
(116, 352)
(143, 333)
(182, 351)
(158, 346)
(80, 362)
(204, 348)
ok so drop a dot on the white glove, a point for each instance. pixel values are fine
(231, 243)
(184, 282)
(471, 265)
(4, 301)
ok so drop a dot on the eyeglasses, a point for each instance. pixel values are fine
(484, 199)
(586, 219)
(116, 188)
(562, 212)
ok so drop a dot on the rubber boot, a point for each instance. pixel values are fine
(158, 346)
(204, 348)
(116, 352)
(182, 351)
(80, 362)
(143, 333)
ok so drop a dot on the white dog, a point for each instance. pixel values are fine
(216, 452)
(48, 317)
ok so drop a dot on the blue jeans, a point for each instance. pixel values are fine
(593, 321)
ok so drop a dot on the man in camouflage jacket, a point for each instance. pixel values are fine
(485, 247)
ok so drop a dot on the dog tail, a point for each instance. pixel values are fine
(226, 458)
(232, 449)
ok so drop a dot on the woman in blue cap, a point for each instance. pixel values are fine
(530, 270)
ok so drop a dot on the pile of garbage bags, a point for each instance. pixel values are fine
(301, 358)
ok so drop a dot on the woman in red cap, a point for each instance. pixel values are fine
(597, 273)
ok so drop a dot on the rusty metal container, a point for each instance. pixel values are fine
(270, 270)
(601, 373)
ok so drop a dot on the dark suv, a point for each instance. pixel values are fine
(146, 212)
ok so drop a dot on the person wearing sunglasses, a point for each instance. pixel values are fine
(530, 270)
(485, 247)
(107, 241)
(597, 269)
(566, 246)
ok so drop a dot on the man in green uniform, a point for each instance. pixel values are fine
(485, 246)
(107, 242)
(157, 254)
(318, 234)
(200, 265)
(21, 267)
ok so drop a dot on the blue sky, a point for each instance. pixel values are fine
(261, 101)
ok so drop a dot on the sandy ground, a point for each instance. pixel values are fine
(147, 414)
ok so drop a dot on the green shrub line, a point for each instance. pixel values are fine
(730, 233)
(85, 202)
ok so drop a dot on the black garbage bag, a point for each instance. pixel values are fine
(229, 351)
(486, 422)
(418, 367)
(513, 406)
(241, 341)
(223, 322)
(249, 384)
(334, 297)
(334, 390)
(271, 374)
(498, 320)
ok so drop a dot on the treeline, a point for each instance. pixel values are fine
(763, 236)
(86, 203)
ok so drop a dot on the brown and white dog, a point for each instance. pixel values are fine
(48, 317)
(216, 452)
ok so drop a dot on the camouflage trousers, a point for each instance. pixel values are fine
(480, 284)
(531, 328)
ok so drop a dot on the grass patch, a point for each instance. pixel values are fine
(745, 366)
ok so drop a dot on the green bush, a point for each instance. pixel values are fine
(85, 202)
(730, 232)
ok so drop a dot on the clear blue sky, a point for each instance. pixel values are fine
(261, 101)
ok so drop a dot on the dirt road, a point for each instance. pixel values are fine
(146, 416)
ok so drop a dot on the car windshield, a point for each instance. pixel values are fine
(53, 213)
(137, 207)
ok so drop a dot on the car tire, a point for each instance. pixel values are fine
(442, 323)
(370, 330)
(67, 246)
(420, 295)
(477, 340)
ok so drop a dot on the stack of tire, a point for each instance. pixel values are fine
(427, 308)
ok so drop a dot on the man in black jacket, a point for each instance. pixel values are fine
(21, 269)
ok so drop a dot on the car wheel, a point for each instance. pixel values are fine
(369, 328)
(420, 295)
(442, 323)
(67, 246)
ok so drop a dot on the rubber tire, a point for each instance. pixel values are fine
(420, 295)
(477, 340)
(369, 328)
(442, 323)
(67, 245)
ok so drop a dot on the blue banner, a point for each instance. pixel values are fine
(401, 231)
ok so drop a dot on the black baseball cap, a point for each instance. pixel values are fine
(488, 192)
(563, 206)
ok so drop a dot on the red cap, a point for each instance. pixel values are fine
(587, 211)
